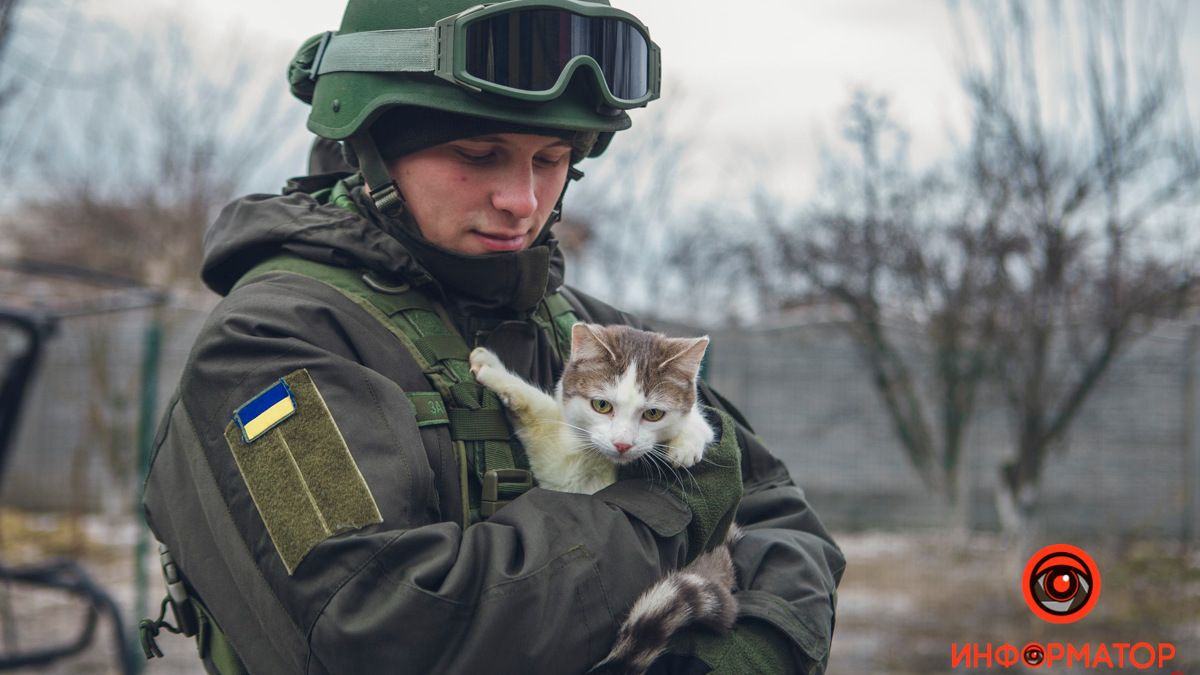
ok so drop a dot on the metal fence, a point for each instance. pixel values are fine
(75, 448)
(1131, 464)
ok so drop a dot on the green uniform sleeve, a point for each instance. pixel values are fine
(788, 565)
(538, 587)
(751, 648)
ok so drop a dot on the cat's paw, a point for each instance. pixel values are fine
(482, 357)
(686, 455)
(492, 374)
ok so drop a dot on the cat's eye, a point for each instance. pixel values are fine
(653, 414)
(601, 406)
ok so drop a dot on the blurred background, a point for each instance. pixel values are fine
(947, 254)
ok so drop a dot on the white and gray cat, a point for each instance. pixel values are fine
(625, 395)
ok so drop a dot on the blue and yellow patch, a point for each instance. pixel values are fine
(263, 412)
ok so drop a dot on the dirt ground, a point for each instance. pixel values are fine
(906, 598)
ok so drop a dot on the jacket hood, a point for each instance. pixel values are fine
(257, 227)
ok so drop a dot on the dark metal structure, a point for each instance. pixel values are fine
(32, 328)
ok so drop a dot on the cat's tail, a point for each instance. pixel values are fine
(700, 593)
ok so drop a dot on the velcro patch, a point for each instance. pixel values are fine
(299, 471)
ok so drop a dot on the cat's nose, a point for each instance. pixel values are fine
(622, 447)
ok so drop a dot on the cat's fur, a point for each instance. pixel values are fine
(575, 447)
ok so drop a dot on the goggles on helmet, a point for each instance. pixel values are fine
(522, 49)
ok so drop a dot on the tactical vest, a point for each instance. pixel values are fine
(493, 469)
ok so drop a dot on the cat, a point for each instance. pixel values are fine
(625, 395)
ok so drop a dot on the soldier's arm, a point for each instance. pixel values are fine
(788, 571)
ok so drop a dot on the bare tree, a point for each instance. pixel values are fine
(7, 11)
(36, 40)
(1092, 186)
(639, 236)
(617, 216)
(1035, 259)
(171, 141)
(893, 247)
(8, 86)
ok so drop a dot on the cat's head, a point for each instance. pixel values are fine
(626, 390)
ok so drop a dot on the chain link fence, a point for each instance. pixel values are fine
(75, 448)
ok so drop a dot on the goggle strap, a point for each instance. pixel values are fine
(401, 50)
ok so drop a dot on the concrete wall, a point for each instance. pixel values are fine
(1124, 469)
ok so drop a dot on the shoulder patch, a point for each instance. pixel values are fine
(263, 412)
(298, 469)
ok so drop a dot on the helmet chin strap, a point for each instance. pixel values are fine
(556, 214)
(384, 191)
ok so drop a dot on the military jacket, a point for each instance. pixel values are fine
(397, 584)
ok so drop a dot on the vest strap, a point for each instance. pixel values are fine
(477, 421)
(482, 424)
(428, 408)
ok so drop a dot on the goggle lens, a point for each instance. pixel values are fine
(528, 50)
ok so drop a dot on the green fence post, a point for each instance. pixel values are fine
(152, 342)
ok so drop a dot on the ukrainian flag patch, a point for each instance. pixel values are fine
(263, 412)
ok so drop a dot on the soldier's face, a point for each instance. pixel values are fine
(487, 194)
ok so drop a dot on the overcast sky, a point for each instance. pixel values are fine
(770, 75)
(765, 79)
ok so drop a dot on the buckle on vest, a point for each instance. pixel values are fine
(512, 483)
(177, 595)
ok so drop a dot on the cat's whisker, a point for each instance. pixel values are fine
(675, 468)
(715, 463)
(664, 462)
(567, 424)
(695, 482)
(661, 467)
(654, 459)
(590, 449)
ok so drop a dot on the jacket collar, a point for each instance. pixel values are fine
(352, 233)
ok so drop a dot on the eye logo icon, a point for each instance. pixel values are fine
(1034, 655)
(1061, 583)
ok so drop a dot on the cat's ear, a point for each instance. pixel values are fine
(587, 342)
(689, 356)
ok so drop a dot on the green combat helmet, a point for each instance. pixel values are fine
(572, 65)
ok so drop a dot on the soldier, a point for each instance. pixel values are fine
(334, 492)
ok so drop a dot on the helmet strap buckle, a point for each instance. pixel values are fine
(384, 191)
(388, 200)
